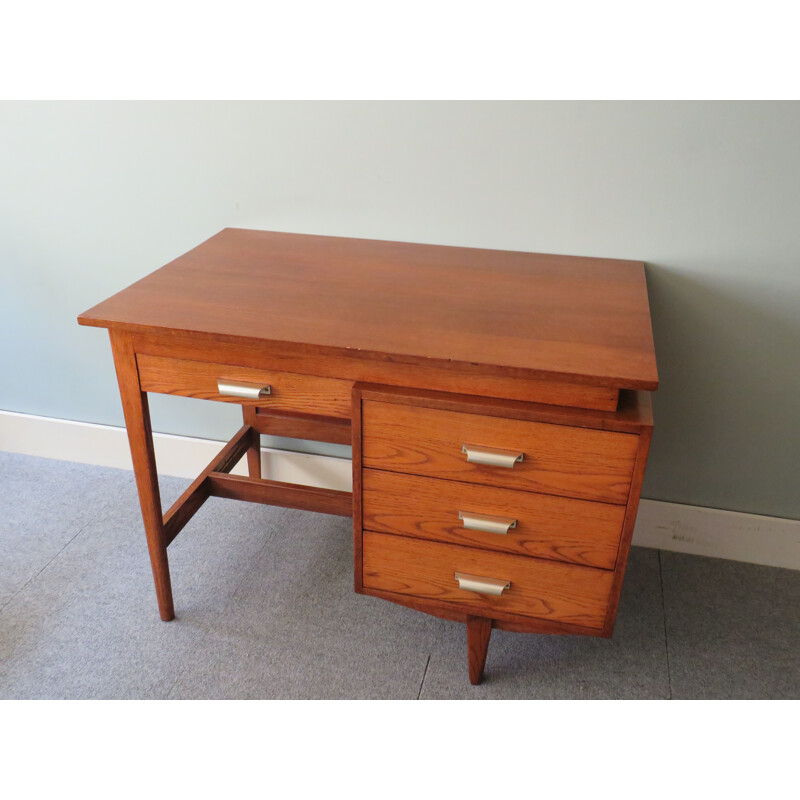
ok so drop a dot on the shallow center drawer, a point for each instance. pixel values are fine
(552, 459)
(525, 523)
(284, 391)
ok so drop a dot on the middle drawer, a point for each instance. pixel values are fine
(557, 528)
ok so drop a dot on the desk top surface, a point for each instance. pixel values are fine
(585, 320)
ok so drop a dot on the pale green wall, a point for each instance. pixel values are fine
(95, 195)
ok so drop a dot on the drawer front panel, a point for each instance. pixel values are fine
(557, 459)
(542, 589)
(559, 528)
(305, 394)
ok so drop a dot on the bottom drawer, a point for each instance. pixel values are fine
(543, 589)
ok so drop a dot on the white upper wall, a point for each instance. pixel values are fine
(95, 195)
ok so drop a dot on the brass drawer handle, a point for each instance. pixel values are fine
(486, 523)
(491, 456)
(474, 583)
(250, 391)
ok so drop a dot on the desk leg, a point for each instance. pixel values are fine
(254, 451)
(479, 630)
(140, 438)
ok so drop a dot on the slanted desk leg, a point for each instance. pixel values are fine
(140, 437)
(479, 629)
(254, 451)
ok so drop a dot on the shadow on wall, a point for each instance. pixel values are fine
(727, 411)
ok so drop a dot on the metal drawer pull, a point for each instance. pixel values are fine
(491, 456)
(473, 583)
(486, 523)
(252, 391)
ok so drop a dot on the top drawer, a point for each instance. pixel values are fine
(304, 394)
(556, 459)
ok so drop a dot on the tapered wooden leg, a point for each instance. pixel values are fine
(479, 629)
(254, 451)
(140, 438)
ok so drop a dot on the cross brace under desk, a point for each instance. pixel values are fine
(214, 481)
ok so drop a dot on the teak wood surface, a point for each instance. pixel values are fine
(543, 589)
(413, 350)
(304, 394)
(564, 318)
(472, 379)
(557, 459)
(422, 592)
(140, 437)
(557, 528)
(479, 629)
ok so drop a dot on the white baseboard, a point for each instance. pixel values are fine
(179, 456)
(771, 541)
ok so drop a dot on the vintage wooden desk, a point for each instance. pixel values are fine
(497, 403)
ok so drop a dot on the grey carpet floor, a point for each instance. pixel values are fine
(265, 609)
